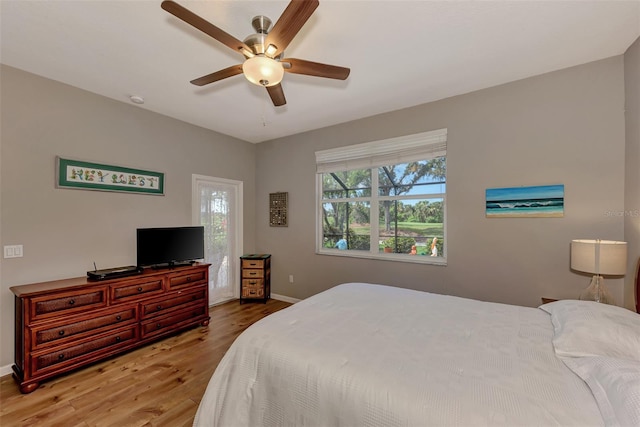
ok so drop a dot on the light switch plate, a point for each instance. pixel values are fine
(13, 251)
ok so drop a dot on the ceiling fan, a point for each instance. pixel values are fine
(264, 64)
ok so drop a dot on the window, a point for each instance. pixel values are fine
(384, 199)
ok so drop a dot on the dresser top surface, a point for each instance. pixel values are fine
(54, 285)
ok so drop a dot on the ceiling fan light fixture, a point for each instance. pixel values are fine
(263, 71)
(271, 50)
(247, 53)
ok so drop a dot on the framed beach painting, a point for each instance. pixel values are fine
(546, 201)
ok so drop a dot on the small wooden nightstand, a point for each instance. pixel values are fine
(548, 300)
(255, 277)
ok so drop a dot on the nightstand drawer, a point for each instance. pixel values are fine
(252, 263)
(252, 283)
(252, 274)
(253, 292)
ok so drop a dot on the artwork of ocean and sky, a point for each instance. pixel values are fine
(525, 202)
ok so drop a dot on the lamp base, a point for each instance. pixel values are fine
(597, 292)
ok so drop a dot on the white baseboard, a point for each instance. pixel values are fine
(5, 370)
(285, 298)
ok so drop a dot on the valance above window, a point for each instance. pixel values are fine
(402, 149)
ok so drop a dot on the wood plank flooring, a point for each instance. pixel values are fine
(157, 385)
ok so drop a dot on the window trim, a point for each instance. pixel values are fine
(371, 155)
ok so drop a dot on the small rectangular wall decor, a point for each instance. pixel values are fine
(278, 216)
(545, 201)
(95, 176)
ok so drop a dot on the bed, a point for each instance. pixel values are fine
(371, 355)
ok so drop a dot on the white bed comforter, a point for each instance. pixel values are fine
(371, 355)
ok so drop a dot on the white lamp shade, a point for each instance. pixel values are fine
(263, 71)
(599, 256)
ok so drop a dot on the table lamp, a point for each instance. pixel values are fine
(599, 257)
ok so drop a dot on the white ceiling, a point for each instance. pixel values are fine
(401, 53)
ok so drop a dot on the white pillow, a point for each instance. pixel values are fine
(586, 328)
(615, 383)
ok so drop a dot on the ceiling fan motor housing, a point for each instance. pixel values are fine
(256, 41)
(261, 24)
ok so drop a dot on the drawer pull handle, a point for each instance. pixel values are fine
(61, 333)
(140, 289)
(253, 273)
(188, 278)
(253, 282)
(158, 325)
(194, 296)
(61, 356)
(118, 317)
(72, 301)
(118, 339)
(159, 307)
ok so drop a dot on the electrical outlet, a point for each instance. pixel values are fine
(13, 251)
(291, 278)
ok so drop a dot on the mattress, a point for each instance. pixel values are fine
(371, 355)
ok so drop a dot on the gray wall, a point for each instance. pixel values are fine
(64, 231)
(565, 127)
(632, 168)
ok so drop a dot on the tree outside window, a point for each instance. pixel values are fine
(408, 201)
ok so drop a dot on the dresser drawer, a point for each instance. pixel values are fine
(190, 279)
(252, 263)
(175, 301)
(176, 320)
(134, 289)
(46, 335)
(43, 361)
(68, 302)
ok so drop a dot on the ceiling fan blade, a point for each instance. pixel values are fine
(300, 66)
(205, 26)
(288, 25)
(277, 95)
(218, 75)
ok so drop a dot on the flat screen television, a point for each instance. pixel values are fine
(169, 246)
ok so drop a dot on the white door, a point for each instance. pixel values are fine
(217, 204)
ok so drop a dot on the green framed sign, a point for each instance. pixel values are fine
(95, 176)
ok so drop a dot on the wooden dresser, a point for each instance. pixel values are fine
(255, 277)
(66, 324)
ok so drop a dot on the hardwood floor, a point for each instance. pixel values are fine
(157, 385)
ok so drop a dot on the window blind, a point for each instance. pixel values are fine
(392, 151)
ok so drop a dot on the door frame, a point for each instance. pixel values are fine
(238, 210)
